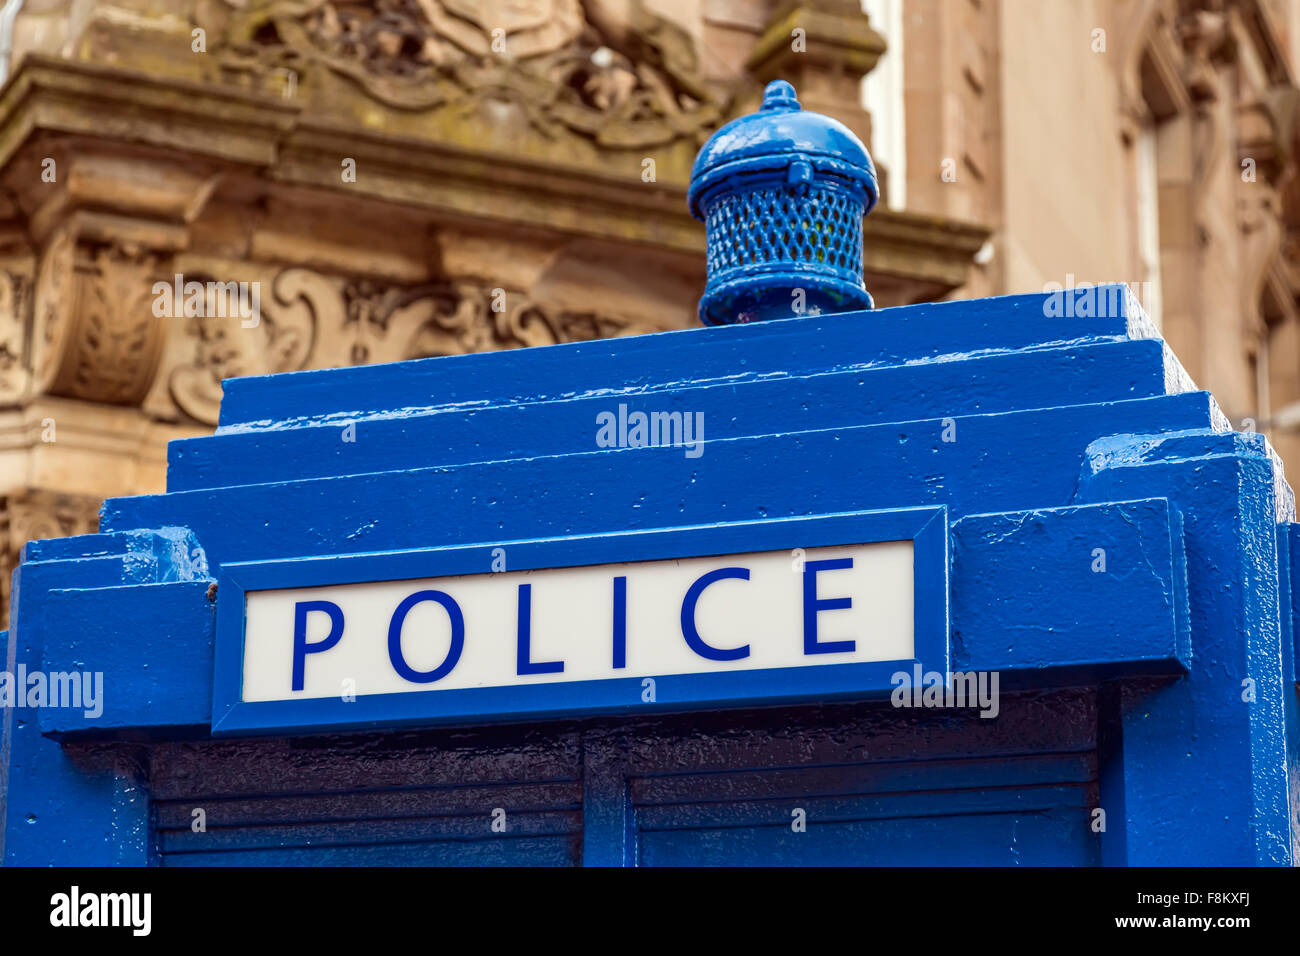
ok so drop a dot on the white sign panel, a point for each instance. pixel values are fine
(758, 610)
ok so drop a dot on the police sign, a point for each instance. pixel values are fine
(665, 619)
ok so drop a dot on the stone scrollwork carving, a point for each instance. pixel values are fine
(314, 321)
(610, 70)
(224, 347)
(457, 318)
(461, 317)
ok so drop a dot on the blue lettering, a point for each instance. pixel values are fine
(523, 656)
(620, 622)
(693, 639)
(395, 637)
(300, 646)
(811, 605)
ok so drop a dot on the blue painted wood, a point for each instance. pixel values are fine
(733, 746)
(1135, 626)
(1287, 570)
(876, 467)
(408, 799)
(503, 428)
(821, 809)
(1045, 436)
(608, 837)
(7, 663)
(475, 827)
(142, 687)
(847, 764)
(386, 804)
(1290, 537)
(1052, 836)
(897, 778)
(870, 780)
(524, 851)
(62, 807)
(667, 359)
(1123, 567)
(1232, 746)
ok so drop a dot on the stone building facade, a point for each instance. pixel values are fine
(198, 189)
(1142, 141)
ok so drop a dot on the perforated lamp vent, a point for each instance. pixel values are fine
(782, 193)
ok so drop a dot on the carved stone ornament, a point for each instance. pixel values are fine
(15, 295)
(315, 321)
(606, 69)
(96, 335)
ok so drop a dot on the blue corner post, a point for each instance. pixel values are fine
(1204, 770)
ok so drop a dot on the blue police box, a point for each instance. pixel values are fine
(981, 582)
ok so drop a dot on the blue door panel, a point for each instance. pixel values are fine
(541, 851)
(1059, 837)
(871, 783)
(474, 798)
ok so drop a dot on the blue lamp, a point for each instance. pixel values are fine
(782, 193)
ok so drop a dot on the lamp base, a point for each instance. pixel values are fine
(784, 296)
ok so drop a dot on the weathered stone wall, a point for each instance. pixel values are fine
(1039, 110)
